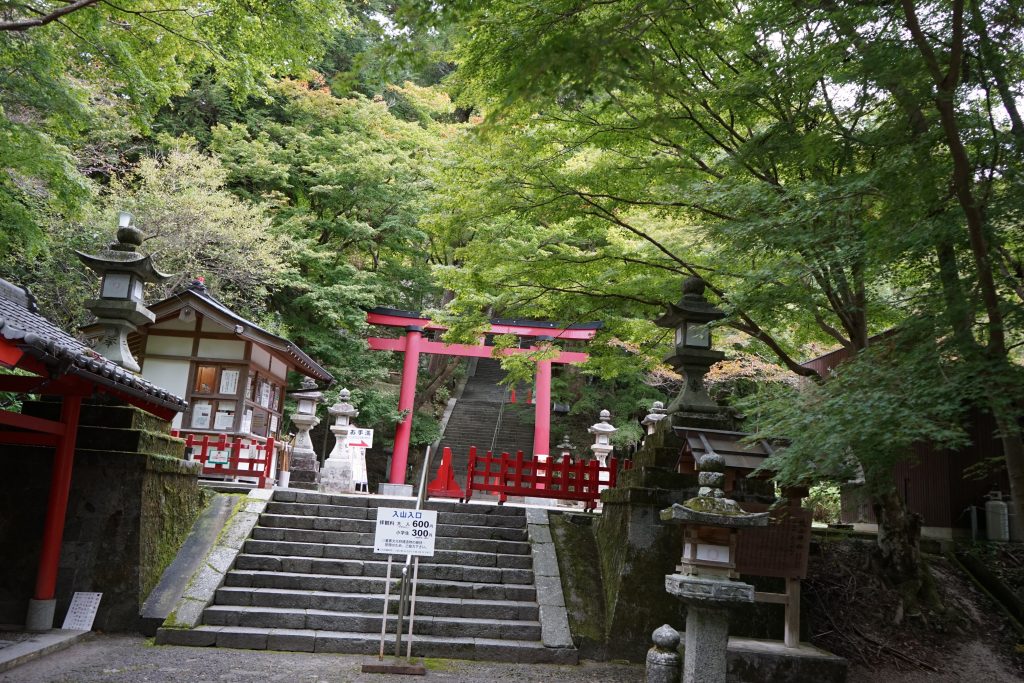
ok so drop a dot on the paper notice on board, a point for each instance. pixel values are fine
(229, 381)
(201, 415)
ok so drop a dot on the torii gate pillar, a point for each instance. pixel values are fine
(542, 405)
(406, 399)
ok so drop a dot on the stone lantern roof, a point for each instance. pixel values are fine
(692, 307)
(308, 391)
(603, 427)
(122, 255)
(343, 408)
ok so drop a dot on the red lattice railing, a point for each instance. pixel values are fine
(568, 479)
(231, 458)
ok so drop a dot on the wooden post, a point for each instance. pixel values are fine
(792, 632)
(41, 606)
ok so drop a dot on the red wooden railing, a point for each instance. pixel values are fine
(507, 475)
(234, 458)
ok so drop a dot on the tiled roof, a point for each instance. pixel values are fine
(21, 323)
(303, 363)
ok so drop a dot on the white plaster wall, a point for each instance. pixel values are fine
(260, 357)
(169, 346)
(221, 348)
(171, 375)
(278, 369)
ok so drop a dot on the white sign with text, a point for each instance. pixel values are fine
(401, 531)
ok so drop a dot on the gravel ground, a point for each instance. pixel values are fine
(132, 659)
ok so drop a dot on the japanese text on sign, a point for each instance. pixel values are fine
(405, 532)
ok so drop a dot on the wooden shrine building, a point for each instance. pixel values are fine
(232, 372)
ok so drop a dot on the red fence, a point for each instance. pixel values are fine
(235, 458)
(506, 476)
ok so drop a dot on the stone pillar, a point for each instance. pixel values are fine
(707, 641)
(338, 472)
(663, 659)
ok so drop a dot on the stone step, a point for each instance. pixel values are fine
(363, 501)
(365, 526)
(427, 605)
(358, 552)
(480, 545)
(242, 578)
(330, 620)
(378, 568)
(515, 520)
(309, 640)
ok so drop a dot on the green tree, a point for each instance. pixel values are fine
(347, 182)
(783, 152)
(58, 60)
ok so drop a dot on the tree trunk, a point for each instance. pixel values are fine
(436, 383)
(899, 551)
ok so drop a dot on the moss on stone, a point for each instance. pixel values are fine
(171, 502)
(714, 506)
(579, 567)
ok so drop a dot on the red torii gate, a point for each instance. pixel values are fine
(413, 344)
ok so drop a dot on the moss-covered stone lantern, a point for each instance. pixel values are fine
(304, 465)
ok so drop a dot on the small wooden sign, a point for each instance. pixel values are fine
(82, 612)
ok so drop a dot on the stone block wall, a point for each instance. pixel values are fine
(133, 500)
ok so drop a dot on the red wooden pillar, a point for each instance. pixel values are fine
(406, 398)
(542, 406)
(40, 615)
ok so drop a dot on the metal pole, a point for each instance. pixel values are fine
(403, 596)
(423, 480)
(412, 606)
(384, 619)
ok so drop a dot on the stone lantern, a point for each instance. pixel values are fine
(705, 578)
(338, 472)
(693, 356)
(303, 463)
(602, 432)
(119, 310)
(657, 414)
(565, 449)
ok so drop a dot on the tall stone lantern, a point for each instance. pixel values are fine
(338, 472)
(602, 432)
(693, 355)
(119, 310)
(705, 580)
(304, 465)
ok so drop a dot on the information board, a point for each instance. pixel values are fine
(82, 611)
(401, 531)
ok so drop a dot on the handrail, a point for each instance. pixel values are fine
(497, 426)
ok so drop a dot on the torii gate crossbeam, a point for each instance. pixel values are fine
(413, 344)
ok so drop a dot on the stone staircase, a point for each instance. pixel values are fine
(476, 414)
(307, 580)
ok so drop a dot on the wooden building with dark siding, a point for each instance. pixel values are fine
(939, 484)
